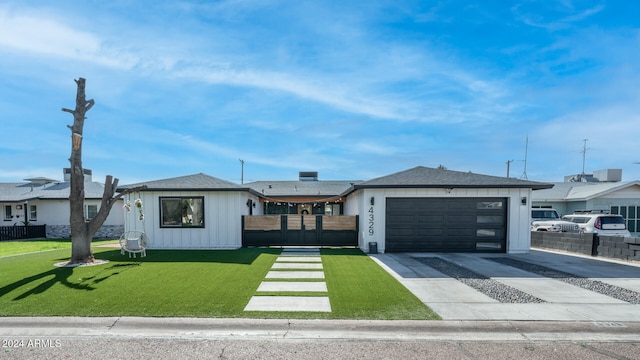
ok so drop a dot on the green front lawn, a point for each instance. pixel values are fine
(8, 248)
(192, 283)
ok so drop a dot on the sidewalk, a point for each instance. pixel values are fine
(293, 329)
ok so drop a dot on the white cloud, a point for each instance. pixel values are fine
(43, 36)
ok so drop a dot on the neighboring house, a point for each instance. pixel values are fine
(604, 190)
(43, 201)
(420, 209)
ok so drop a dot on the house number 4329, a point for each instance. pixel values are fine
(371, 221)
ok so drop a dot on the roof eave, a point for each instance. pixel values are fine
(453, 186)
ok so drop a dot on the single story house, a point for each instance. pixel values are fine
(420, 209)
(43, 201)
(603, 190)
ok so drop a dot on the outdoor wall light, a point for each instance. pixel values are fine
(523, 200)
(372, 200)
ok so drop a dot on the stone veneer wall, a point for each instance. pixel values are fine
(105, 232)
(613, 247)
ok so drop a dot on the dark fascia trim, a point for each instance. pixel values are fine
(249, 190)
(523, 186)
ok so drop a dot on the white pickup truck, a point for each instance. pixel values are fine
(549, 220)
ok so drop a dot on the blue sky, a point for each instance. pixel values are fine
(351, 89)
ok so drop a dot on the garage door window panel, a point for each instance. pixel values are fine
(490, 219)
(489, 205)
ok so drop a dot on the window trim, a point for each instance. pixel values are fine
(8, 213)
(182, 224)
(86, 211)
(33, 213)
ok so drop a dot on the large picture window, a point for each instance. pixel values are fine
(182, 211)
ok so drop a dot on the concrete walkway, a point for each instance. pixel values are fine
(453, 300)
(295, 267)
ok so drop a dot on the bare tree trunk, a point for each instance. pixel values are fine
(82, 231)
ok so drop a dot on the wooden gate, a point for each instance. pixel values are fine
(299, 230)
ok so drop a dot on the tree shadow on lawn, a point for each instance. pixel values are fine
(244, 256)
(61, 275)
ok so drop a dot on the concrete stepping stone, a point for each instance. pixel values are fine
(289, 303)
(293, 286)
(308, 249)
(279, 274)
(304, 259)
(299, 253)
(285, 265)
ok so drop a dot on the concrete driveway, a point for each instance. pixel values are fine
(537, 286)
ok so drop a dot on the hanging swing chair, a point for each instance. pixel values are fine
(134, 241)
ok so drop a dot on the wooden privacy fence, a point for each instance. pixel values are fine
(299, 230)
(22, 232)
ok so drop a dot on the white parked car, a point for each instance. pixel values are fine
(549, 220)
(600, 223)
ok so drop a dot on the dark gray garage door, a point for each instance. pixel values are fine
(446, 224)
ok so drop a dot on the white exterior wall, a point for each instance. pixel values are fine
(56, 212)
(372, 217)
(222, 223)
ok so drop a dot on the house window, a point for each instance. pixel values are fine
(90, 211)
(276, 208)
(332, 209)
(182, 212)
(7, 213)
(631, 216)
(33, 213)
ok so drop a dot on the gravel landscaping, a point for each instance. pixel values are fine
(487, 286)
(600, 287)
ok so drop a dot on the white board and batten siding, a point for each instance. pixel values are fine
(222, 223)
(372, 217)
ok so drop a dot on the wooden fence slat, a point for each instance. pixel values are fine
(262, 222)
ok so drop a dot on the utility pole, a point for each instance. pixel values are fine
(526, 154)
(508, 165)
(584, 156)
(242, 172)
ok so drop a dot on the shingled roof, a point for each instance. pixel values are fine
(189, 182)
(18, 192)
(424, 177)
(581, 191)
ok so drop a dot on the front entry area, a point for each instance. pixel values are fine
(446, 224)
(299, 230)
